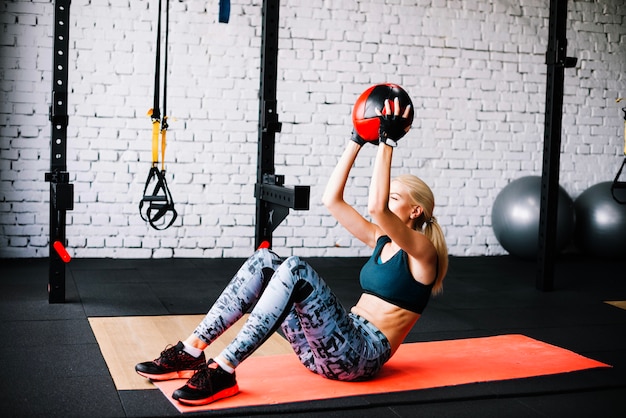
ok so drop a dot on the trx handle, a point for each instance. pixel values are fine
(160, 202)
(617, 184)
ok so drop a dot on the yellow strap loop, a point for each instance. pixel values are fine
(625, 136)
(163, 142)
(156, 127)
(619, 99)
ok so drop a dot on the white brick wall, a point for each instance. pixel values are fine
(475, 70)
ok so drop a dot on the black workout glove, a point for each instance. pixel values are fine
(389, 132)
(359, 140)
(392, 127)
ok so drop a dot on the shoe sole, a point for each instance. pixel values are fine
(182, 374)
(231, 391)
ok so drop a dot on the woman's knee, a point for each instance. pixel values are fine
(294, 264)
(266, 258)
(264, 253)
(299, 274)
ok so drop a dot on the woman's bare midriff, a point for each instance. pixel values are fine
(390, 319)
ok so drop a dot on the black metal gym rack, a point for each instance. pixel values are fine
(61, 190)
(556, 60)
(273, 199)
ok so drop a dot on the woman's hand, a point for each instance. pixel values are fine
(359, 140)
(390, 131)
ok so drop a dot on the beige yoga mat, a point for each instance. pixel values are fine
(128, 340)
(618, 303)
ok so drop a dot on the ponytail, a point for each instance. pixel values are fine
(423, 196)
(434, 233)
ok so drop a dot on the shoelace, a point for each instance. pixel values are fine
(201, 378)
(166, 355)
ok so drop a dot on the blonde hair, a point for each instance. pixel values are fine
(421, 195)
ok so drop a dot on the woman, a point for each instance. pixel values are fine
(408, 263)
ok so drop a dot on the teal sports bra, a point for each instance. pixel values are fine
(392, 280)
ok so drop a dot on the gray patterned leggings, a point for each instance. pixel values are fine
(327, 339)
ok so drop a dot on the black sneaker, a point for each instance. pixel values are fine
(174, 363)
(208, 384)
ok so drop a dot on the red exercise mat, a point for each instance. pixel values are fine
(272, 380)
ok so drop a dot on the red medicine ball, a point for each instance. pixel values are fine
(365, 120)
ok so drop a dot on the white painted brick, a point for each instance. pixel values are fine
(475, 70)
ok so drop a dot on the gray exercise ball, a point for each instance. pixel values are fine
(515, 217)
(601, 222)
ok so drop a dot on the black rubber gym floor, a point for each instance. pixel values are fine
(51, 364)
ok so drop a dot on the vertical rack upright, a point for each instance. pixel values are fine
(273, 199)
(557, 61)
(61, 191)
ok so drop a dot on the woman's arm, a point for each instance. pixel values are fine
(334, 201)
(416, 244)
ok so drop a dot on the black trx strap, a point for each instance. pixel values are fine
(617, 184)
(159, 202)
